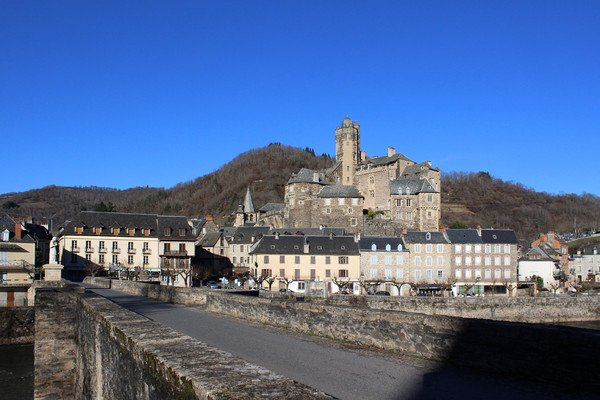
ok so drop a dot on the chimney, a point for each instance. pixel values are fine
(479, 230)
(306, 246)
(404, 231)
(551, 239)
(442, 228)
(209, 217)
(17, 231)
(357, 236)
(252, 238)
(331, 235)
(271, 227)
(277, 235)
(391, 151)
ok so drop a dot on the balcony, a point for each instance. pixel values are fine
(147, 251)
(175, 253)
(130, 251)
(89, 249)
(75, 249)
(102, 250)
(116, 250)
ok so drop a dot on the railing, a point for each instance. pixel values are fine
(130, 251)
(102, 250)
(176, 253)
(75, 249)
(147, 251)
(116, 250)
(89, 249)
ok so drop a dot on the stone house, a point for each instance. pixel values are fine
(560, 247)
(17, 262)
(145, 245)
(585, 265)
(430, 266)
(484, 260)
(307, 262)
(385, 262)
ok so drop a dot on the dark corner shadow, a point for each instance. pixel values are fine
(507, 360)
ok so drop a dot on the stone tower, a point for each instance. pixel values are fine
(347, 149)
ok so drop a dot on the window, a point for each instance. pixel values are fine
(145, 260)
(488, 248)
(457, 248)
(296, 274)
(328, 211)
(129, 260)
(496, 248)
(399, 203)
(506, 260)
(467, 274)
(428, 247)
(88, 257)
(488, 260)
(507, 248)
(388, 260)
(373, 273)
(373, 247)
(430, 198)
(327, 202)
(388, 247)
(457, 273)
(327, 273)
(399, 260)
(73, 244)
(497, 260)
(115, 259)
(343, 260)
(399, 247)
(417, 261)
(167, 231)
(181, 231)
(167, 247)
(440, 274)
(313, 259)
(373, 260)
(477, 248)
(266, 260)
(408, 215)
(428, 236)
(467, 248)
(477, 260)
(313, 274)
(296, 259)
(440, 261)
(388, 274)
(399, 273)
(101, 245)
(281, 259)
(497, 274)
(350, 211)
(343, 273)
(282, 272)
(417, 274)
(428, 274)
(408, 202)
(301, 285)
(487, 274)
(341, 201)
(327, 260)
(507, 274)
(129, 245)
(477, 274)
(131, 231)
(417, 248)
(371, 179)
(371, 193)
(353, 222)
(101, 259)
(440, 248)
(467, 260)
(428, 261)
(458, 260)
(265, 273)
(88, 245)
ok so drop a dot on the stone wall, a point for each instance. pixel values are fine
(525, 309)
(548, 353)
(91, 348)
(16, 325)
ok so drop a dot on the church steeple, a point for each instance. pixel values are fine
(248, 204)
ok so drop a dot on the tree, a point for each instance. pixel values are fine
(92, 268)
(270, 280)
(286, 282)
(370, 286)
(458, 225)
(539, 283)
(343, 285)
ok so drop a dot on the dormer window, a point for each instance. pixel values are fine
(343, 247)
(97, 230)
(373, 247)
(131, 231)
(115, 231)
(388, 247)
(79, 229)
(296, 247)
(272, 247)
(399, 247)
(182, 232)
(428, 236)
(5, 234)
(167, 231)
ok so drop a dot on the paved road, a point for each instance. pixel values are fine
(341, 372)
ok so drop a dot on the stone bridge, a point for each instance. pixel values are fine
(88, 347)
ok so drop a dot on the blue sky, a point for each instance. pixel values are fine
(135, 93)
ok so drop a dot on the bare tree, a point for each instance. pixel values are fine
(270, 280)
(371, 285)
(200, 273)
(286, 282)
(398, 284)
(342, 284)
(93, 268)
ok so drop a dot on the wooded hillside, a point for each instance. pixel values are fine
(470, 198)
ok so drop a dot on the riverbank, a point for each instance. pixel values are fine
(16, 371)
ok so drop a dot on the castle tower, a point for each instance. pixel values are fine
(347, 149)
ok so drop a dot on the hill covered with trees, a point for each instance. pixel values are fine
(471, 199)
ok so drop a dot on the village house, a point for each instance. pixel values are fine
(146, 246)
(585, 265)
(385, 264)
(540, 261)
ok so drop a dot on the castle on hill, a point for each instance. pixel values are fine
(356, 193)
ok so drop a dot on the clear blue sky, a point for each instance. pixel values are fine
(135, 93)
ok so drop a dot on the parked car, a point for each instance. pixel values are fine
(343, 292)
(214, 285)
(382, 293)
(286, 291)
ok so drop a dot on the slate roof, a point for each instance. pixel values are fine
(309, 231)
(272, 207)
(156, 223)
(366, 243)
(459, 236)
(209, 239)
(414, 171)
(415, 186)
(5, 246)
(339, 191)
(539, 250)
(331, 170)
(306, 175)
(385, 160)
(244, 234)
(421, 237)
(248, 203)
(504, 236)
(318, 245)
